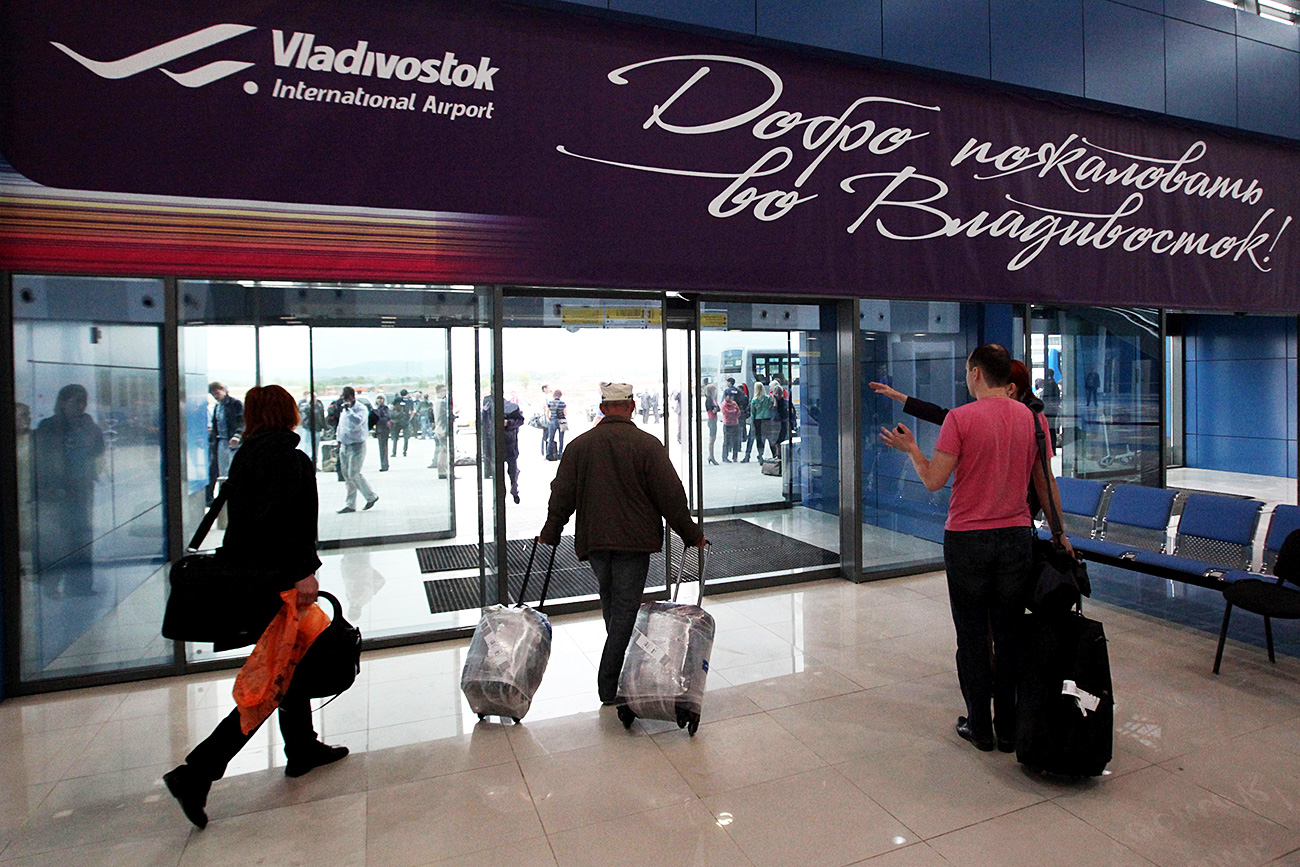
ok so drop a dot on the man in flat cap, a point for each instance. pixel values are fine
(622, 484)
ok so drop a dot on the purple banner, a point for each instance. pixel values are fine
(645, 158)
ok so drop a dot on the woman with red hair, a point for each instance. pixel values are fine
(272, 503)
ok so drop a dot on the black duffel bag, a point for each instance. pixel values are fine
(333, 661)
(1057, 579)
(215, 599)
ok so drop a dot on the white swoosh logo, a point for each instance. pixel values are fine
(169, 51)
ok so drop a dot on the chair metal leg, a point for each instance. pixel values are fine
(1223, 635)
(1268, 636)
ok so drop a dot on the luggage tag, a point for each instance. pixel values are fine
(498, 654)
(1084, 700)
(651, 649)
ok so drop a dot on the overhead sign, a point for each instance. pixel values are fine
(481, 141)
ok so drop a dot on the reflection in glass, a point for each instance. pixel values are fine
(89, 449)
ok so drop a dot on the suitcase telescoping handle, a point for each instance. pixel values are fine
(546, 583)
(701, 560)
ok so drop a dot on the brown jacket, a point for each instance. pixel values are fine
(621, 482)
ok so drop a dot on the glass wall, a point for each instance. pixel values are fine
(1099, 373)
(89, 449)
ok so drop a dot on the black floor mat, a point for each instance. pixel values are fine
(739, 548)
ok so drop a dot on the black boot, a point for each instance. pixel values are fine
(311, 757)
(191, 790)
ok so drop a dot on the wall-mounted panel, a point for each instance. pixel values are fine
(1262, 29)
(734, 15)
(1038, 43)
(1242, 455)
(1200, 73)
(840, 25)
(1243, 398)
(1123, 55)
(950, 35)
(1210, 15)
(1268, 89)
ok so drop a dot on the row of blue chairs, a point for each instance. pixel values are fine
(1213, 545)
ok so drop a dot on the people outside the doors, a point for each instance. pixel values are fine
(711, 413)
(353, 431)
(383, 428)
(440, 421)
(67, 454)
(543, 416)
(989, 449)
(761, 412)
(730, 412)
(422, 417)
(557, 424)
(746, 439)
(401, 414)
(621, 483)
(225, 427)
(778, 425)
(1091, 388)
(272, 510)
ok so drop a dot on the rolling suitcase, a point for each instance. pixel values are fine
(667, 659)
(508, 654)
(1065, 708)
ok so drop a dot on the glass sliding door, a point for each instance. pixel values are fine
(90, 441)
(1098, 371)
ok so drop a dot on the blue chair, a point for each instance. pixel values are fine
(1215, 536)
(1081, 506)
(1286, 520)
(1137, 519)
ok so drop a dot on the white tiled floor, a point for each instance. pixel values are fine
(827, 740)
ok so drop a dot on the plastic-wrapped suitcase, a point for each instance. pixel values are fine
(1065, 714)
(667, 659)
(508, 654)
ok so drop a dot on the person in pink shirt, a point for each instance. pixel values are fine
(730, 429)
(989, 449)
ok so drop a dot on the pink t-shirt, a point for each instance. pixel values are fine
(993, 440)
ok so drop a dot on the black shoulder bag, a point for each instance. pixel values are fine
(333, 660)
(214, 599)
(1058, 580)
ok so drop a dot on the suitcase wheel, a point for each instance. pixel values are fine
(694, 724)
(626, 716)
(516, 719)
(683, 717)
(482, 716)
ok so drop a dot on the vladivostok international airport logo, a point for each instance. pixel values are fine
(301, 51)
(152, 58)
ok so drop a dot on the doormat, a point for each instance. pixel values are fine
(738, 548)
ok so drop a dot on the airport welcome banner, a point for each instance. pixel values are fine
(482, 142)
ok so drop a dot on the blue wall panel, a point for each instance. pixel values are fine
(1242, 398)
(840, 25)
(1205, 14)
(734, 15)
(1244, 455)
(1124, 55)
(1268, 92)
(1200, 72)
(1038, 43)
(1220, 338)
(951, 35)
(1263, 30)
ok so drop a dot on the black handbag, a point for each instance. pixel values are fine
(333, 661)
(1059, 581)
(214, 599)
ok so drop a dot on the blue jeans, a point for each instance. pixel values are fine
(988, 574)
(621, 576)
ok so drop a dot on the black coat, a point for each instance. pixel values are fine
(271, 509)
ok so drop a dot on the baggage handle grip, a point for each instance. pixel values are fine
(528, 571)
(702, 560)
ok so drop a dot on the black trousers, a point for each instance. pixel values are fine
(988, 572)
(211, 756)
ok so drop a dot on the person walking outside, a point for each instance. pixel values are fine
(711, 413)
(730, 428)
(353, 431)
(622, 484)
(383, 427)
(989, 449)
(556, 425)
(761, 412)
(272, 510)
(227, 427)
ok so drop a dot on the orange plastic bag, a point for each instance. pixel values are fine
(263, 681)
